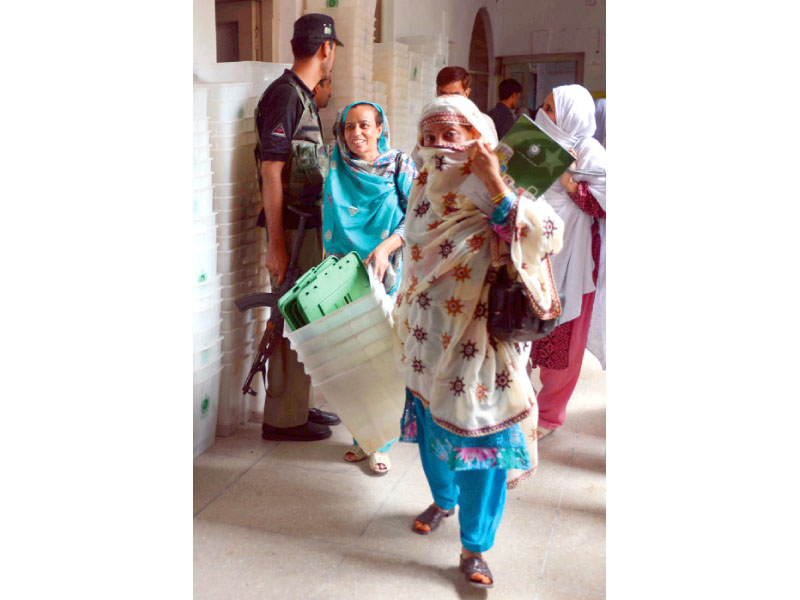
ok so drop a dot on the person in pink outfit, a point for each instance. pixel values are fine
(568, 116)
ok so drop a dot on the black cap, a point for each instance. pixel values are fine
(315, 27)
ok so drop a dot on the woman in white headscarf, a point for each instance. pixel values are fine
(568, 116)
(470, 405)
(600, 119)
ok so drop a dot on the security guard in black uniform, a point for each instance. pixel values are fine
(292, 164)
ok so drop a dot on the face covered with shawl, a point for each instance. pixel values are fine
(568, 116)
(361, 207)
(473, 384)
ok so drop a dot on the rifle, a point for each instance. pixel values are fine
(274, 329)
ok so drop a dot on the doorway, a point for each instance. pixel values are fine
(480, 52)
(540, 73)
(238, 30)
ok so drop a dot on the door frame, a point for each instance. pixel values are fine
(577, 57)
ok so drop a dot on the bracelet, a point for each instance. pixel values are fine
(499, 197)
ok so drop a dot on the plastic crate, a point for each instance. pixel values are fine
(334, 287)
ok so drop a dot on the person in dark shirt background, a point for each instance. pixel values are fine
(509, 91)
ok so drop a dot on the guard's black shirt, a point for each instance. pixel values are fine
(277, 116)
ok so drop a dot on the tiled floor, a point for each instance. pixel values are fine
(293, 520)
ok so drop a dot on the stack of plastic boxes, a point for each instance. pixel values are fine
(207, 341)
(435, 46)
(233, 128)
(428, 55)
(416, 86)
(428, 79)
(349, 356)
(391, 67)
(241, 248)
(354, 21)
(379, 94)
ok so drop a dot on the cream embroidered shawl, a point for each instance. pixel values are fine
(473, 384)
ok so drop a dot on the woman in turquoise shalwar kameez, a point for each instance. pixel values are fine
(364, 206)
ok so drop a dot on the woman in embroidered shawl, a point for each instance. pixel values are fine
(365, 199)
(568, 116)
(470, 405)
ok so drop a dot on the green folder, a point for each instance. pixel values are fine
(530, 159)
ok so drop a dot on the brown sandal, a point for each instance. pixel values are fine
(472, 565)
(431, 517)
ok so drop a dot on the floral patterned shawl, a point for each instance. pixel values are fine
(473, 384)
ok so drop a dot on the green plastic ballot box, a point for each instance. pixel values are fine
(332, 284)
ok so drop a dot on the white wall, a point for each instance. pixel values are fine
(286, 12)
(454, 18)
(548, 26)
(518, 27)
(205, 32)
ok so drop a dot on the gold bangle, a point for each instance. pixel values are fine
(499, 197)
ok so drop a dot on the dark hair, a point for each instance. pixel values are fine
(378, 117)
(451, 74)
(306, 48)
(507, 88)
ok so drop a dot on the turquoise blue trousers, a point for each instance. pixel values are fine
(480, 494)
(385, 449)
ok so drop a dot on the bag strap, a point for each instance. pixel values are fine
(398, 161)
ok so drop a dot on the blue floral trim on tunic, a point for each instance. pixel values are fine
(505, 449)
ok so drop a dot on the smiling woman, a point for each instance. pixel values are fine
(365, 199)
(362, 130)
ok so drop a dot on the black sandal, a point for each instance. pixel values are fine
(474, 564)
(431, 517)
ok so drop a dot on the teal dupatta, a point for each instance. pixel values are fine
(361, 206)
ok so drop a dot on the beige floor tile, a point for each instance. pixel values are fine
(390, 531)
(585, 488)
(551, 591)
(591, 444)
(546, 485)
(520, 546)
(562, 440)
(225, 461)
(366, 575)
(328, 455)
(593, 422)
(213, 473)
(239, 563)
(523, 534)
(283, 498)
(243, 441)
(577, 554)
(266, 511)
